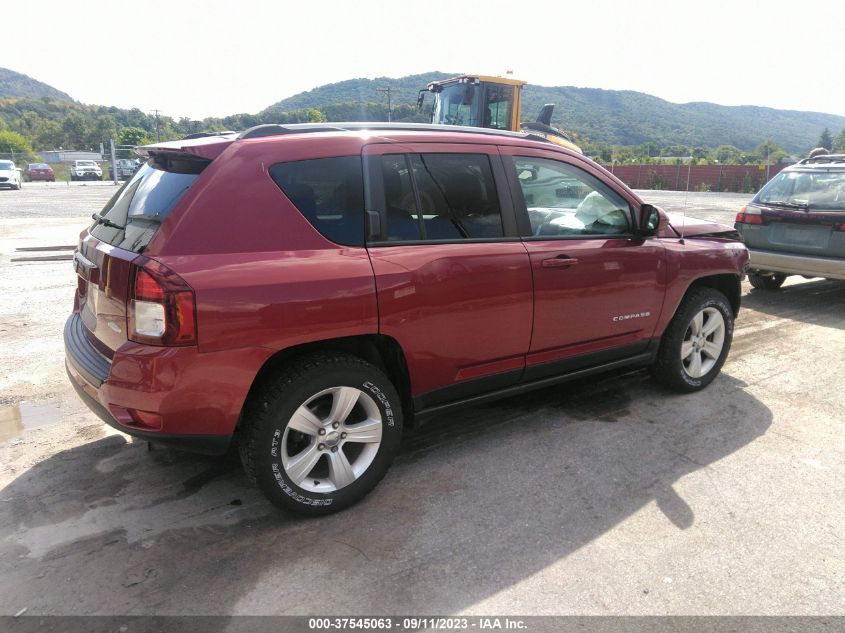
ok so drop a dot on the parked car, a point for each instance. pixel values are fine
(795, 225)
(40, 171)
(85, 170)
(354, 284)
(10, 175)
(126, 168)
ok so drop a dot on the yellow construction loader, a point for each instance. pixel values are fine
(490, 102)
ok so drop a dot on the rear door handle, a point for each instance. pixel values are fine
(561, 261)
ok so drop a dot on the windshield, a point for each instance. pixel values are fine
(137, 209)
(6, 165)
(85, 163)
(39, 166)
(818, 189)
(457, 104)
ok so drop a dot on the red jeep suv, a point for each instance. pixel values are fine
(308, 290)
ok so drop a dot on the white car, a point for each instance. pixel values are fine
(85, 170)
(10, 176)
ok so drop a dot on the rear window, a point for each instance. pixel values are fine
(817, 189)
(143, 202)
(329, 192)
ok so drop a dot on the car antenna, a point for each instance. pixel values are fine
(686, 197)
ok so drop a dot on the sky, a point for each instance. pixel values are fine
(197, 59)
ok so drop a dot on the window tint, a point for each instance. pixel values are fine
(329, 192)
(564, 200)
(455, 197)
(142, 203)
(403, 220)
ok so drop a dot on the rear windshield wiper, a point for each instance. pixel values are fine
(784, 203)
(101, 220)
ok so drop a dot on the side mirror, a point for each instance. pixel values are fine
(651, 220)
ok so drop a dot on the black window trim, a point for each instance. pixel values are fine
(521, 209)
(374, 194)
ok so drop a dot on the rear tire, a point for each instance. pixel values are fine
(696, 342)
(321, 433)
(771, 281)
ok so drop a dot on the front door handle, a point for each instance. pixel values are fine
(561, 261)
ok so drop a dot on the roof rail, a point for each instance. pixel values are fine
(274, 129)
(205, 135)
(823, 158)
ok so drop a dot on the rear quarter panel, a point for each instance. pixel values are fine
(263, 276)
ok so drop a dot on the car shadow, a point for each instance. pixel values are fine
(476, 502)
(817, 301)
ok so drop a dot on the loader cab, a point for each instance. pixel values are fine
(489, 102)
(475, 101)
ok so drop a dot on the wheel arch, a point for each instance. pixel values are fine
(727, 283)
(382, 351)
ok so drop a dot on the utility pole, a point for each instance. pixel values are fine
(113, 161)
(158, 135)
(767, 163)
(389, 102)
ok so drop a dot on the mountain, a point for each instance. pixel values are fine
(14, 84)
(617, 117)
(403, 90)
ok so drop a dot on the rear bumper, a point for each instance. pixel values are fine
(171, 395)
(206, 444)
(770, 261)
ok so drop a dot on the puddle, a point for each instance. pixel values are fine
(24, 416)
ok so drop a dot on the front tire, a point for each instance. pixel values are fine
(696, 342)
(320, 434)
(771, 281)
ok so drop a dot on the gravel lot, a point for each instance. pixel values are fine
(606, 496)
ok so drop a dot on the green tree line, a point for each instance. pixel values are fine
(29, 125)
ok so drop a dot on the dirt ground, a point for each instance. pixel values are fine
(605, 496)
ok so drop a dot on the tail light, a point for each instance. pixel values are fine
(161, 308)
(749, 215)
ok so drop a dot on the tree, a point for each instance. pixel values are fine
(839, 142)
(14, 145)
(48, 136)
(769, 152)
(726, 154)
(133, 136)
(825, 140)
(315, 116)
(103, 129)
(76, 129)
